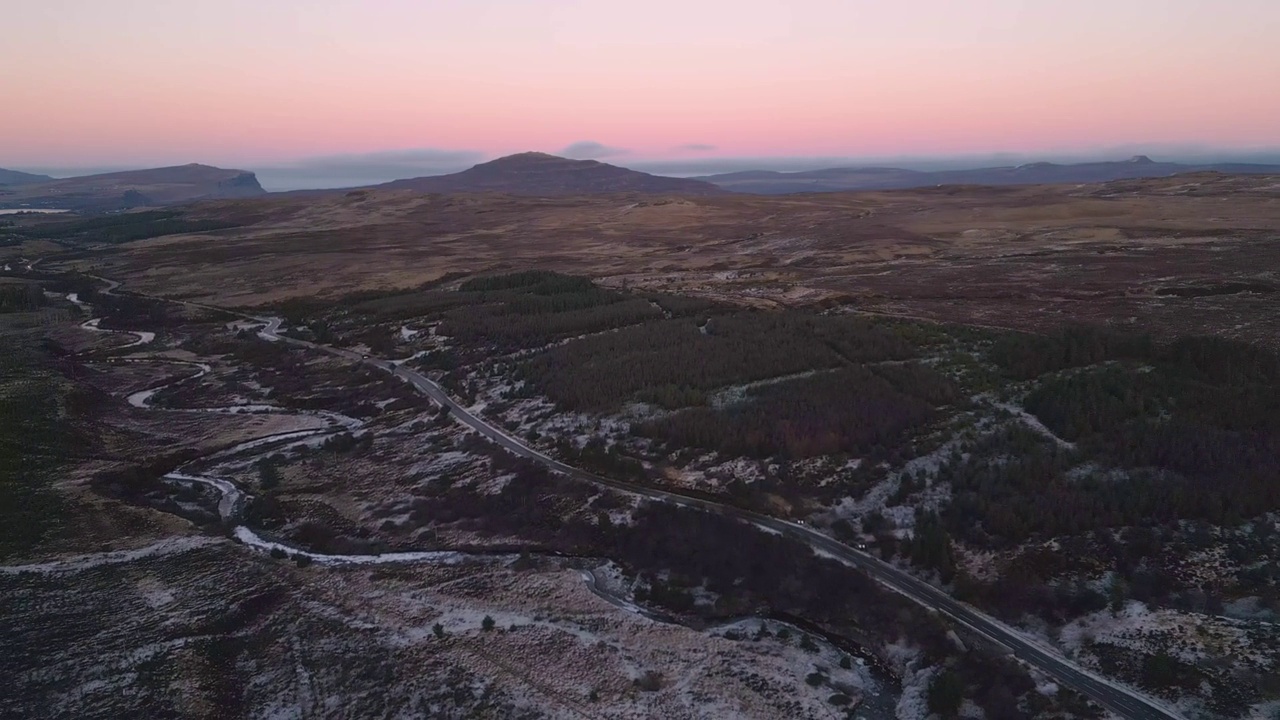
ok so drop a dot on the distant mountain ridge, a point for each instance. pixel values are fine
(534, 173)
(133, 188)
(15, 177)
(768, 182)
(541, 174)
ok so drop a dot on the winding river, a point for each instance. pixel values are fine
(879, 700)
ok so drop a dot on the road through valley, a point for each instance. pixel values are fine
(1116, 697)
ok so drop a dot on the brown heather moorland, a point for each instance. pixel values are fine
(1191, 253)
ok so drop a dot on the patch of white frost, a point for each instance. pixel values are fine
(255, 541)
(78, 563)
(1033, 422)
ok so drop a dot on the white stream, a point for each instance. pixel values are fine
(143, 337)
(881, 695)
(232, 500)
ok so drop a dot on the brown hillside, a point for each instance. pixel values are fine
(547, 175)
(135, 188)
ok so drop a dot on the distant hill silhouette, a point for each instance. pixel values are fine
(133, 188)
(14, 177)
(535, 173)
(765, 182)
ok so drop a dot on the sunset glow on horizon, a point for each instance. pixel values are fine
(238, 82)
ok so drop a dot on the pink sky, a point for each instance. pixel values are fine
(134, 82)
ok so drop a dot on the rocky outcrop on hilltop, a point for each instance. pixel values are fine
(135, 188)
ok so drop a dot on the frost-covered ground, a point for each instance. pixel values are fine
(634, 665)
(80, 563)
(328, 641)
(1228, 651)
(1242, 646)
(335, 638)
(1033, 422)
(556, 642)
(1190, 637)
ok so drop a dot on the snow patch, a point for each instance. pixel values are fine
(79, 563)
(1033, 422)
(257, 542)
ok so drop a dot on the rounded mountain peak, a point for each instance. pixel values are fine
(527, 158)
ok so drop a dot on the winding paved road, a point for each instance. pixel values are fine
(1114, 696)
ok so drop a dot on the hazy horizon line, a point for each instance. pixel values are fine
(371, 168)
